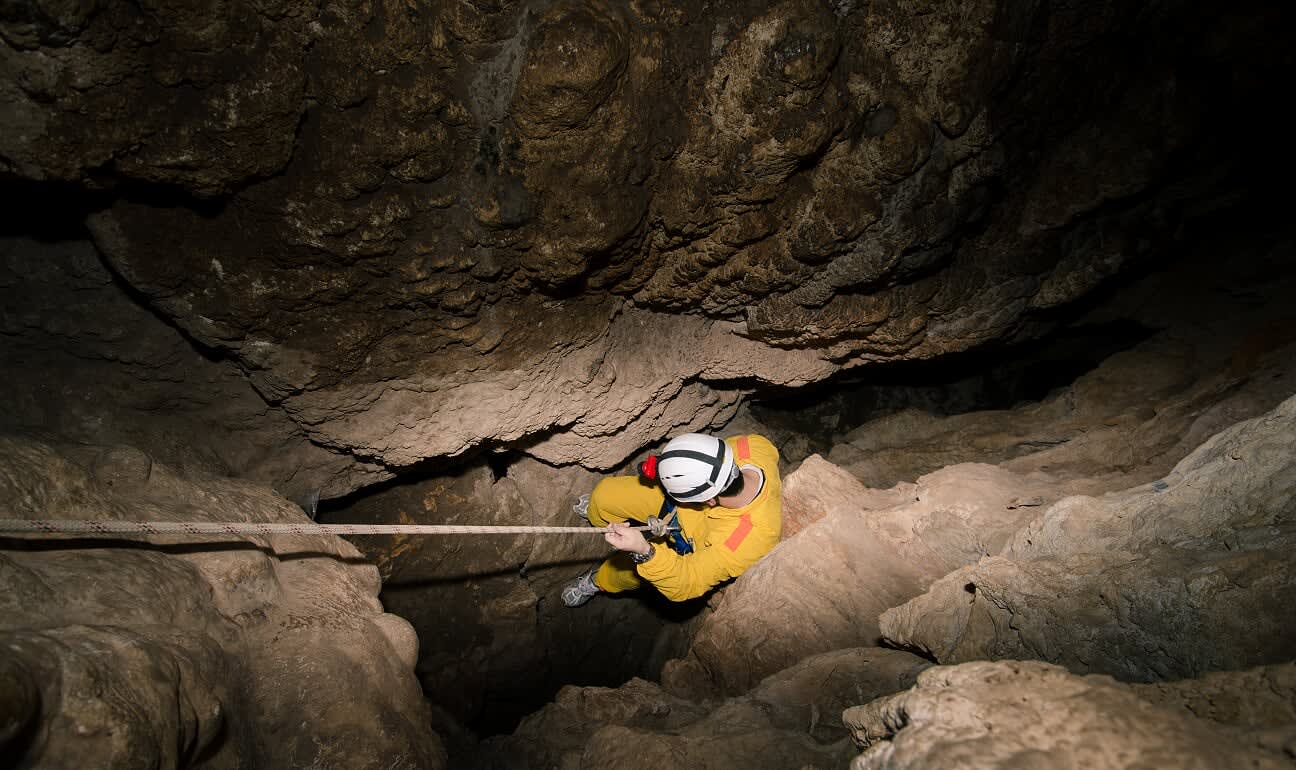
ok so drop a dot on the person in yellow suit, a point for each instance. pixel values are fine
(727, 501)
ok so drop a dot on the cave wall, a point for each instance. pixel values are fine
(373, 238)
(86, 362)
(172, 651)
(573, 228)
(1186, 575)
(1122, 599)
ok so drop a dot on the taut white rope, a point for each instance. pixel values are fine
(113, 527)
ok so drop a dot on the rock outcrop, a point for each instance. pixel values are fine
(170, 652)
(824, 588)
(573, 230)
(1168, 580)
(969, 531)
(791, 720)
(86, 363)
(1030, 714)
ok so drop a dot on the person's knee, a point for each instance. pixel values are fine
(599, 504)
(617, 574)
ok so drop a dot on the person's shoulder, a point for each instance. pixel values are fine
(757, 445)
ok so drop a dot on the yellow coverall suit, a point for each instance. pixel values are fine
(726, 541)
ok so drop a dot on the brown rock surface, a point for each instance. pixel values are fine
(170, 652)
(85, 363)
(1259, 702)
(1030, 714)
(1167, 580)
(812, 693)
(421, 230)
(1213, 355)
(853, 552)
(496, 246)
(824, 588)
(789, 721)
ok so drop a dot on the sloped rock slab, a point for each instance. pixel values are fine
(1031, 714)
(1172, 579)
(823, 589)
(812, 694)
(790, 720)
(1260, 703)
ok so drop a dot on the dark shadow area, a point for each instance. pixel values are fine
(887, 644)
(997, 377)
(455, 579)
(588, 662)
(496, 641)
(22, 725)
(51, 212)
(328, 509)
(56, 211)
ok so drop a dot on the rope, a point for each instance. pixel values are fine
(113, 527)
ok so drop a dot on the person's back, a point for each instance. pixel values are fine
(726, 500)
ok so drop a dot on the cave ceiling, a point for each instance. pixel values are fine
(571, 228)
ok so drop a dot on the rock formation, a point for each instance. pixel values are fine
(1168, 580)
(792, 720)
(438, 262)
(86, 363)
(855, 552)
(574, 229)
(166, 652)
(983, 715)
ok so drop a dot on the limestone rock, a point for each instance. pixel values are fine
(812, 693)
(823, 589)
(1166, 580)
(1259, 702)
(1009, 713)
(171, 652)
(86, 364)
(790, 720)
(1125, 422)
(422, 231)
(556, 735)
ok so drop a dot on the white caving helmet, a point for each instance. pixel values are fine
(696, 467)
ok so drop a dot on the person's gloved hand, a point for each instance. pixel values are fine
(621, 537)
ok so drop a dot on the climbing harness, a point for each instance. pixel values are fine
(115, 527)
(664, 525)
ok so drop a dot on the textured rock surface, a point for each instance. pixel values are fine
(407, 235)
(1167, 580)
(853, 552)
(791, 720)
(1260, 703)
(812, 693)
(574, 229)
(824, 588)
(169, 652)
(85, 363)
(1212, 355)
(1030, 714)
